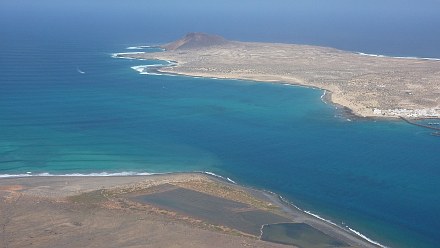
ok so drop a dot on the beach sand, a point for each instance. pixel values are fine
(168, 210)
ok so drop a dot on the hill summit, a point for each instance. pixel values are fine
(194, 41)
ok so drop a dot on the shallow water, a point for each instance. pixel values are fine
(377, 177)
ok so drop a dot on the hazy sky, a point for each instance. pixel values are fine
(338, 23)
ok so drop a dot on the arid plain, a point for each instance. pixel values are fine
(369, 85)
(171, 210)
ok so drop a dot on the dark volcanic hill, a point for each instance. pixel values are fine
(194, 41)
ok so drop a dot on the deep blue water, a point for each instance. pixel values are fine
(378, 177)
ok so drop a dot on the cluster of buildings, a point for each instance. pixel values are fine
(410, 113)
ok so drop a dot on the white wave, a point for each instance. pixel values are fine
(319, 217)
(121, 55)
(397, 57)
(366, 238)
(97, 174)
(215, 175)
(138, 68)
(330, 222)
(137, 47)
(230, 180)
(145, 47)
(170, 63)
(286, 201)
(143, 69)
(212, 174)
(352, 230)
(14, 175)
(150, 73)
(102, 174)
(132, 173)
(372, 55)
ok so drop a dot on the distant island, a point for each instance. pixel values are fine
(368, 85)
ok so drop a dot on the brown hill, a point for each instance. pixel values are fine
(194, 41)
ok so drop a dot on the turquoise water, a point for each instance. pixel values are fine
(377, 177)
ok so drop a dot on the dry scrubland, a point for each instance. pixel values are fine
(370, 86)
(107, 212)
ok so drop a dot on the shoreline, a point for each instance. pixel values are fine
(155, 70)
(350, 114)
(290, 207)
(346, 112)
(84, 184)
(371, 86)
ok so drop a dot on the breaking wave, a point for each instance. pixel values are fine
(215, 175)
(396, 57)
(97, 174)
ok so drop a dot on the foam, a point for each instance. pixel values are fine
(332, 223)
(132, 173)
(119, 55)
(146, 48)
(319, 217)
(287, 202)
(215, 175)
(137, 47)
(396, 57)
(352, 230)
(366, 238)
(97, 174)
(230, 180)
(143, 69)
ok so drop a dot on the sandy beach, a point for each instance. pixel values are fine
(170, 210)
(369, 85)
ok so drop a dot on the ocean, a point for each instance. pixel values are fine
(67, 107)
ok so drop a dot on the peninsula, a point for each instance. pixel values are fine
(368, 85)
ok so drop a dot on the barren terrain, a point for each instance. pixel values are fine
(173, 210)
(371, 86)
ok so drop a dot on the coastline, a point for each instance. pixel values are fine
(370, 86)
(346, 112)
(61, 188)
(350, 114)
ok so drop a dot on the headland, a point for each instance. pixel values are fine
(169, 210)
(369, 85)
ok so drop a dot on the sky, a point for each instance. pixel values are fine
(406, 25)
